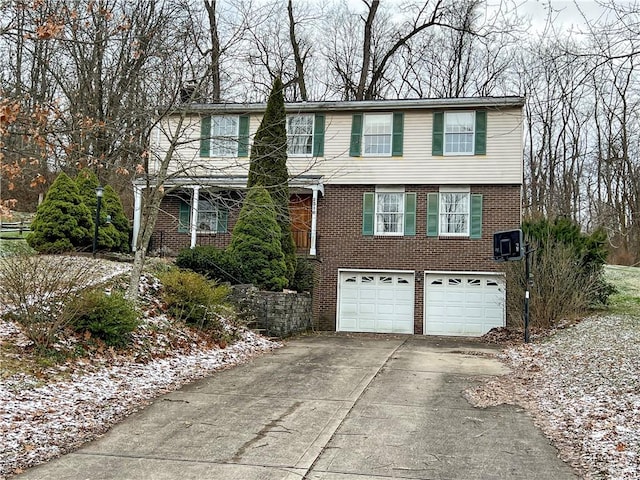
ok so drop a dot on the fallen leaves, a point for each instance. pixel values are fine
(582, 386)
(46, 413)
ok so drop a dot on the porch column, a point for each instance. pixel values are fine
(314, 216)
(194, 214)
(137, 215)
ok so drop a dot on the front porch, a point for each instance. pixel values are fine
(203, 212)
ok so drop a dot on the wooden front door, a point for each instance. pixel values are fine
(300, 207)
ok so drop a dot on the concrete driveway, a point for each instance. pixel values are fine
(327, 407)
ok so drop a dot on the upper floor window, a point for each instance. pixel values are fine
(459, 132)
(299, 134)
(377, 134)
(224, 136)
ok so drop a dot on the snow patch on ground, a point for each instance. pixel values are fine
(47, 412)
(582, 386)
(39, 422)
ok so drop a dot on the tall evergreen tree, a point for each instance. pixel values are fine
(268, 167)
(114, 235)
(255, 242)
(62, 222)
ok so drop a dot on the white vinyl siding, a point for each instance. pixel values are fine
(502, 163)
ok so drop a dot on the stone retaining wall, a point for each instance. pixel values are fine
(276, 314)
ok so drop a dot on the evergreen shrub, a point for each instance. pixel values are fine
(255, 242)
(304, 279)
(212, 262)
(109, 317)
(192, 298)
(113, 236)
(62, 222)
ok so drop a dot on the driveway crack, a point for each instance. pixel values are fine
(326, 447)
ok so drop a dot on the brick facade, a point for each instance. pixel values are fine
(342, 245)
(168, 240)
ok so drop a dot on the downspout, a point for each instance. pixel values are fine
(137, 215)
(194, 214)
(314, 216)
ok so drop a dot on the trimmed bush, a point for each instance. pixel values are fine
(212, 262)
(192, 298)
(63, 222)
(304, 280)
(110, 318)
(255, 242)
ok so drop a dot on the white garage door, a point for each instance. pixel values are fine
(380, 302)
(463, 304)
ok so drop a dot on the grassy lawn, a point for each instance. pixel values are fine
(626, 301)
(8, 245)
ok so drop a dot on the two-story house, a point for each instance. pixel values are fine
(396, 200)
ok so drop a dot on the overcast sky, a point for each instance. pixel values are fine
(568, 14)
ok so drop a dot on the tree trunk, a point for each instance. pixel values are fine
(298, 58)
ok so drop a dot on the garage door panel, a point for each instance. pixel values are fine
(386, 295)
(376, 302)
(463, 304)
(367, 309)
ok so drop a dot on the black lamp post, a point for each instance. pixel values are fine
(99, 193)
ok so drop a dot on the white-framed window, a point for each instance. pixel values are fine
(224, 136)
(299, 135)
(454, 215)
(377, 134)
(459, 133)
(389, 213)
(208, 213)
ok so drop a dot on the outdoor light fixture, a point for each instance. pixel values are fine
(99, 193)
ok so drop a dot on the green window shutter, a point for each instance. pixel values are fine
(432, 214)
(205, 136)
(398, 134)
(356, 135)
(481, 133)
(223, 217)
(476, 216)
(409, 213)
(318, 135)
(184, 217)
(243, 136)
(437, 143)
(368, 213)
